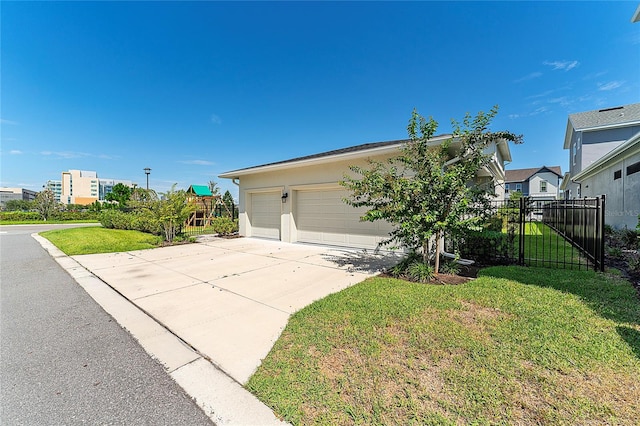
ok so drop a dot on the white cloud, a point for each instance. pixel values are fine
(15, 152)
(198, 162)
(529, 76)
(3, 121)
(562, 65)
(610, 85)
(216, 119)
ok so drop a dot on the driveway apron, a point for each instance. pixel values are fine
(231, 298)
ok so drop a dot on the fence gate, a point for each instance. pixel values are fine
(562, 234)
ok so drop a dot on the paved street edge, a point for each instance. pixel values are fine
(221, 398)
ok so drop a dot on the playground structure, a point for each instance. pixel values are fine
(208, 206)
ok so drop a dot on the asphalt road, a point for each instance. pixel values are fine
(63, 360)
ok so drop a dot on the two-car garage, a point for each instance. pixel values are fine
(318, 216)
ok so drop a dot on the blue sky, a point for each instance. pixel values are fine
(192, 90)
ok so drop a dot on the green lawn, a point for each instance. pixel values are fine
(516, 346)
(44, 222)
(545, 247)
(91, 240)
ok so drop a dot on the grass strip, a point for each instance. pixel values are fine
(92, 240)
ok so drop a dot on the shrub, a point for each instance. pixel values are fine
(224, 225)
(450, 267)
(19, 216)
(486, 246)
(116, 219)
(420, 272)
(144, 221)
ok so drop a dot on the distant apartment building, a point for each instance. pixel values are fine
(7, 194)
(84, 187)
(55, 186)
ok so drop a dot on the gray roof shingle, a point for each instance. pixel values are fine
(605, 117)
(520, 175)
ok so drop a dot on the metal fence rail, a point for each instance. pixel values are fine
(561, 234)
(580, 222)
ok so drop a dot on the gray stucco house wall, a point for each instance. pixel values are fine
(591, 135)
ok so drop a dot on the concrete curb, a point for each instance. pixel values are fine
(221, 398)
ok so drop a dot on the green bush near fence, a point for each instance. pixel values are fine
(136, 221)
(22, 216)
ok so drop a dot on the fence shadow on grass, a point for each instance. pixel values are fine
(632, 337)
(616, 300)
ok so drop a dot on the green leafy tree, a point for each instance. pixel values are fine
(172, 211)
(46, 204)
(229, 204)
(120, 193)
(427, 189)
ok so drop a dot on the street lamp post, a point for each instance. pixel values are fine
(147, 170)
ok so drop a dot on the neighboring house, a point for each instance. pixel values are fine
(604, 159)
(7, 194)
(592, 134)
(301, 200)
(617, 175)
(539, 183)
(84, 187)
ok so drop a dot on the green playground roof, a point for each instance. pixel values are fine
(200, 190)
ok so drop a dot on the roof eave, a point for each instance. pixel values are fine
(388, 149)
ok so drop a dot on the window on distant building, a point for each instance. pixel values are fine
(519, 187)
(634, 168)
(543, 186)
(617, 174)
(574, 153)
(506, 187)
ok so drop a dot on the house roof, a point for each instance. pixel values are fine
(520, 175)
(626, 149)
(601, 119)
(200, 190)
(357, 151)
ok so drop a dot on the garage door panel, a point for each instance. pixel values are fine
(265, 215)
(323, 217)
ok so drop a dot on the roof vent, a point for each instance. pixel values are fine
(610, 109)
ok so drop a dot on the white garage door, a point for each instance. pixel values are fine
(322, 217)
(265, 214)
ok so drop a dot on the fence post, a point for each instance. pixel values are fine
(521, 222)
(601, 217)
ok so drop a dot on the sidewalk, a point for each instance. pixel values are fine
(210, 312)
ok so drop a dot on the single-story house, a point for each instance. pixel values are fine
(301, 200)
(617, 175)
(538, 183)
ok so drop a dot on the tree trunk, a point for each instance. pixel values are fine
(436, 268)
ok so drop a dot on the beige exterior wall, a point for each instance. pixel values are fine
(79, 187)
(322, 176)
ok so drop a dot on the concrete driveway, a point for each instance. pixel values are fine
(231, 298)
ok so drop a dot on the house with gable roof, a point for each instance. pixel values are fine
(301, 199)
(538, 183)
(604, 158)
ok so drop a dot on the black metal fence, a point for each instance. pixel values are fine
(203, 222)
(563, 234)
(581, 222)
